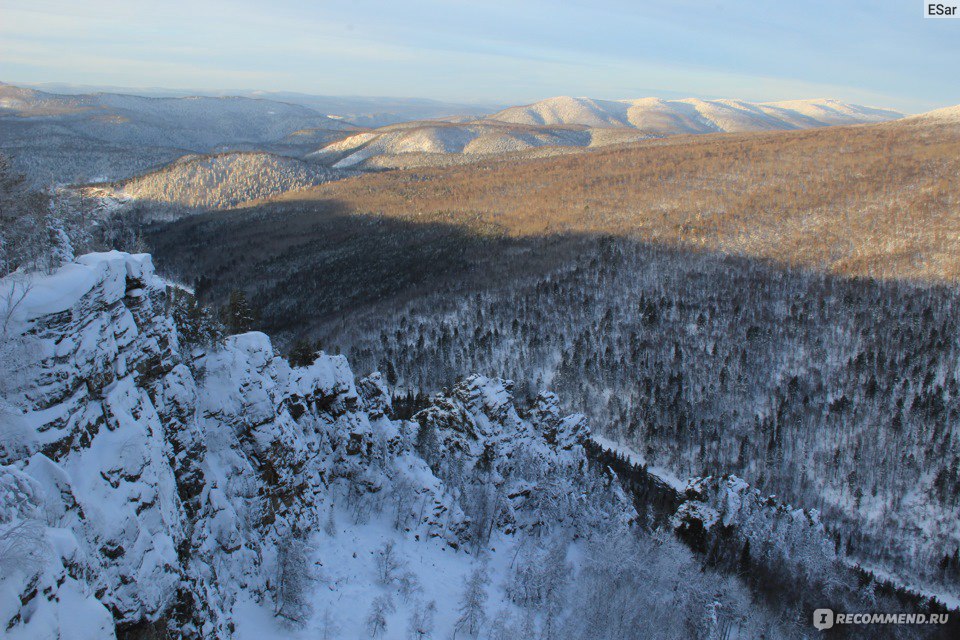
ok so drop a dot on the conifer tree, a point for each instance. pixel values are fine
(238, 315)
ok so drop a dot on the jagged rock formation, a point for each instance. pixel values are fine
(787, 537)
(150, 481)
(154, 483)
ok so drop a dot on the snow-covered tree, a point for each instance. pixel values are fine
(376, 621)
(238, 315)
(421, 622)
(388, 563)
(293, 580)
(473, 600)
(330, 523)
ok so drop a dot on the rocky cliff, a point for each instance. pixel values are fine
(151, 482)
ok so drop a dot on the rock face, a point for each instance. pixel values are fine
(149, 482)
(726, 507)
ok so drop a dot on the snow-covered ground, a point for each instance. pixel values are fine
(249, 491)
(664, 475)
(347, 583)
(470, 139)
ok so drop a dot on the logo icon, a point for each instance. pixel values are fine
(823, 619)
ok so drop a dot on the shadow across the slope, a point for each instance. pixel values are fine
(809, 385)
(306, 264)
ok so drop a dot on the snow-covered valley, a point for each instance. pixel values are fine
(156, 477)
(431, 320)
(165, 471)
(159, 477)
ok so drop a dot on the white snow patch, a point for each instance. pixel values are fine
(664, 475)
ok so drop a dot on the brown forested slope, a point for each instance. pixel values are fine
(879, 200)
(834, 393)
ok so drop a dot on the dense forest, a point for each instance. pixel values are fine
(753, 304)
(837, 394)
(813, 402)
(218, 181)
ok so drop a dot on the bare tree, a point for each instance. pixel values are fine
(421, 621)
(473, 602)
(21, 547)
(15, 355)
(16, 289)
(380, 608)
(408, 585)
(503, 628)
(328, 626)
(388, 563)
(403, 493)
(23, 218)
(293, 581)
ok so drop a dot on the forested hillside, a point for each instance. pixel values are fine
(217, 181)
(838, 394)
(158, 478)
(62, 139)
(756, 303)
(877, 200)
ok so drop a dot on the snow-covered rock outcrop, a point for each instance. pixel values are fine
(148, 482)
(715, 506)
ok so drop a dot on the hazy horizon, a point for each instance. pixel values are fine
(492, 53)
(67, 88)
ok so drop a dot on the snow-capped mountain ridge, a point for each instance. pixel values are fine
(469, 140)
(565, 121)
(692, 115)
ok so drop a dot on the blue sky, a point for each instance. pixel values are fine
(878, 52)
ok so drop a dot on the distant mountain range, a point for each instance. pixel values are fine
(104, 137)
(190, 122)
(584, 122)
(432, 141)
(368, 111)
(62, 138)
(670, 117)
